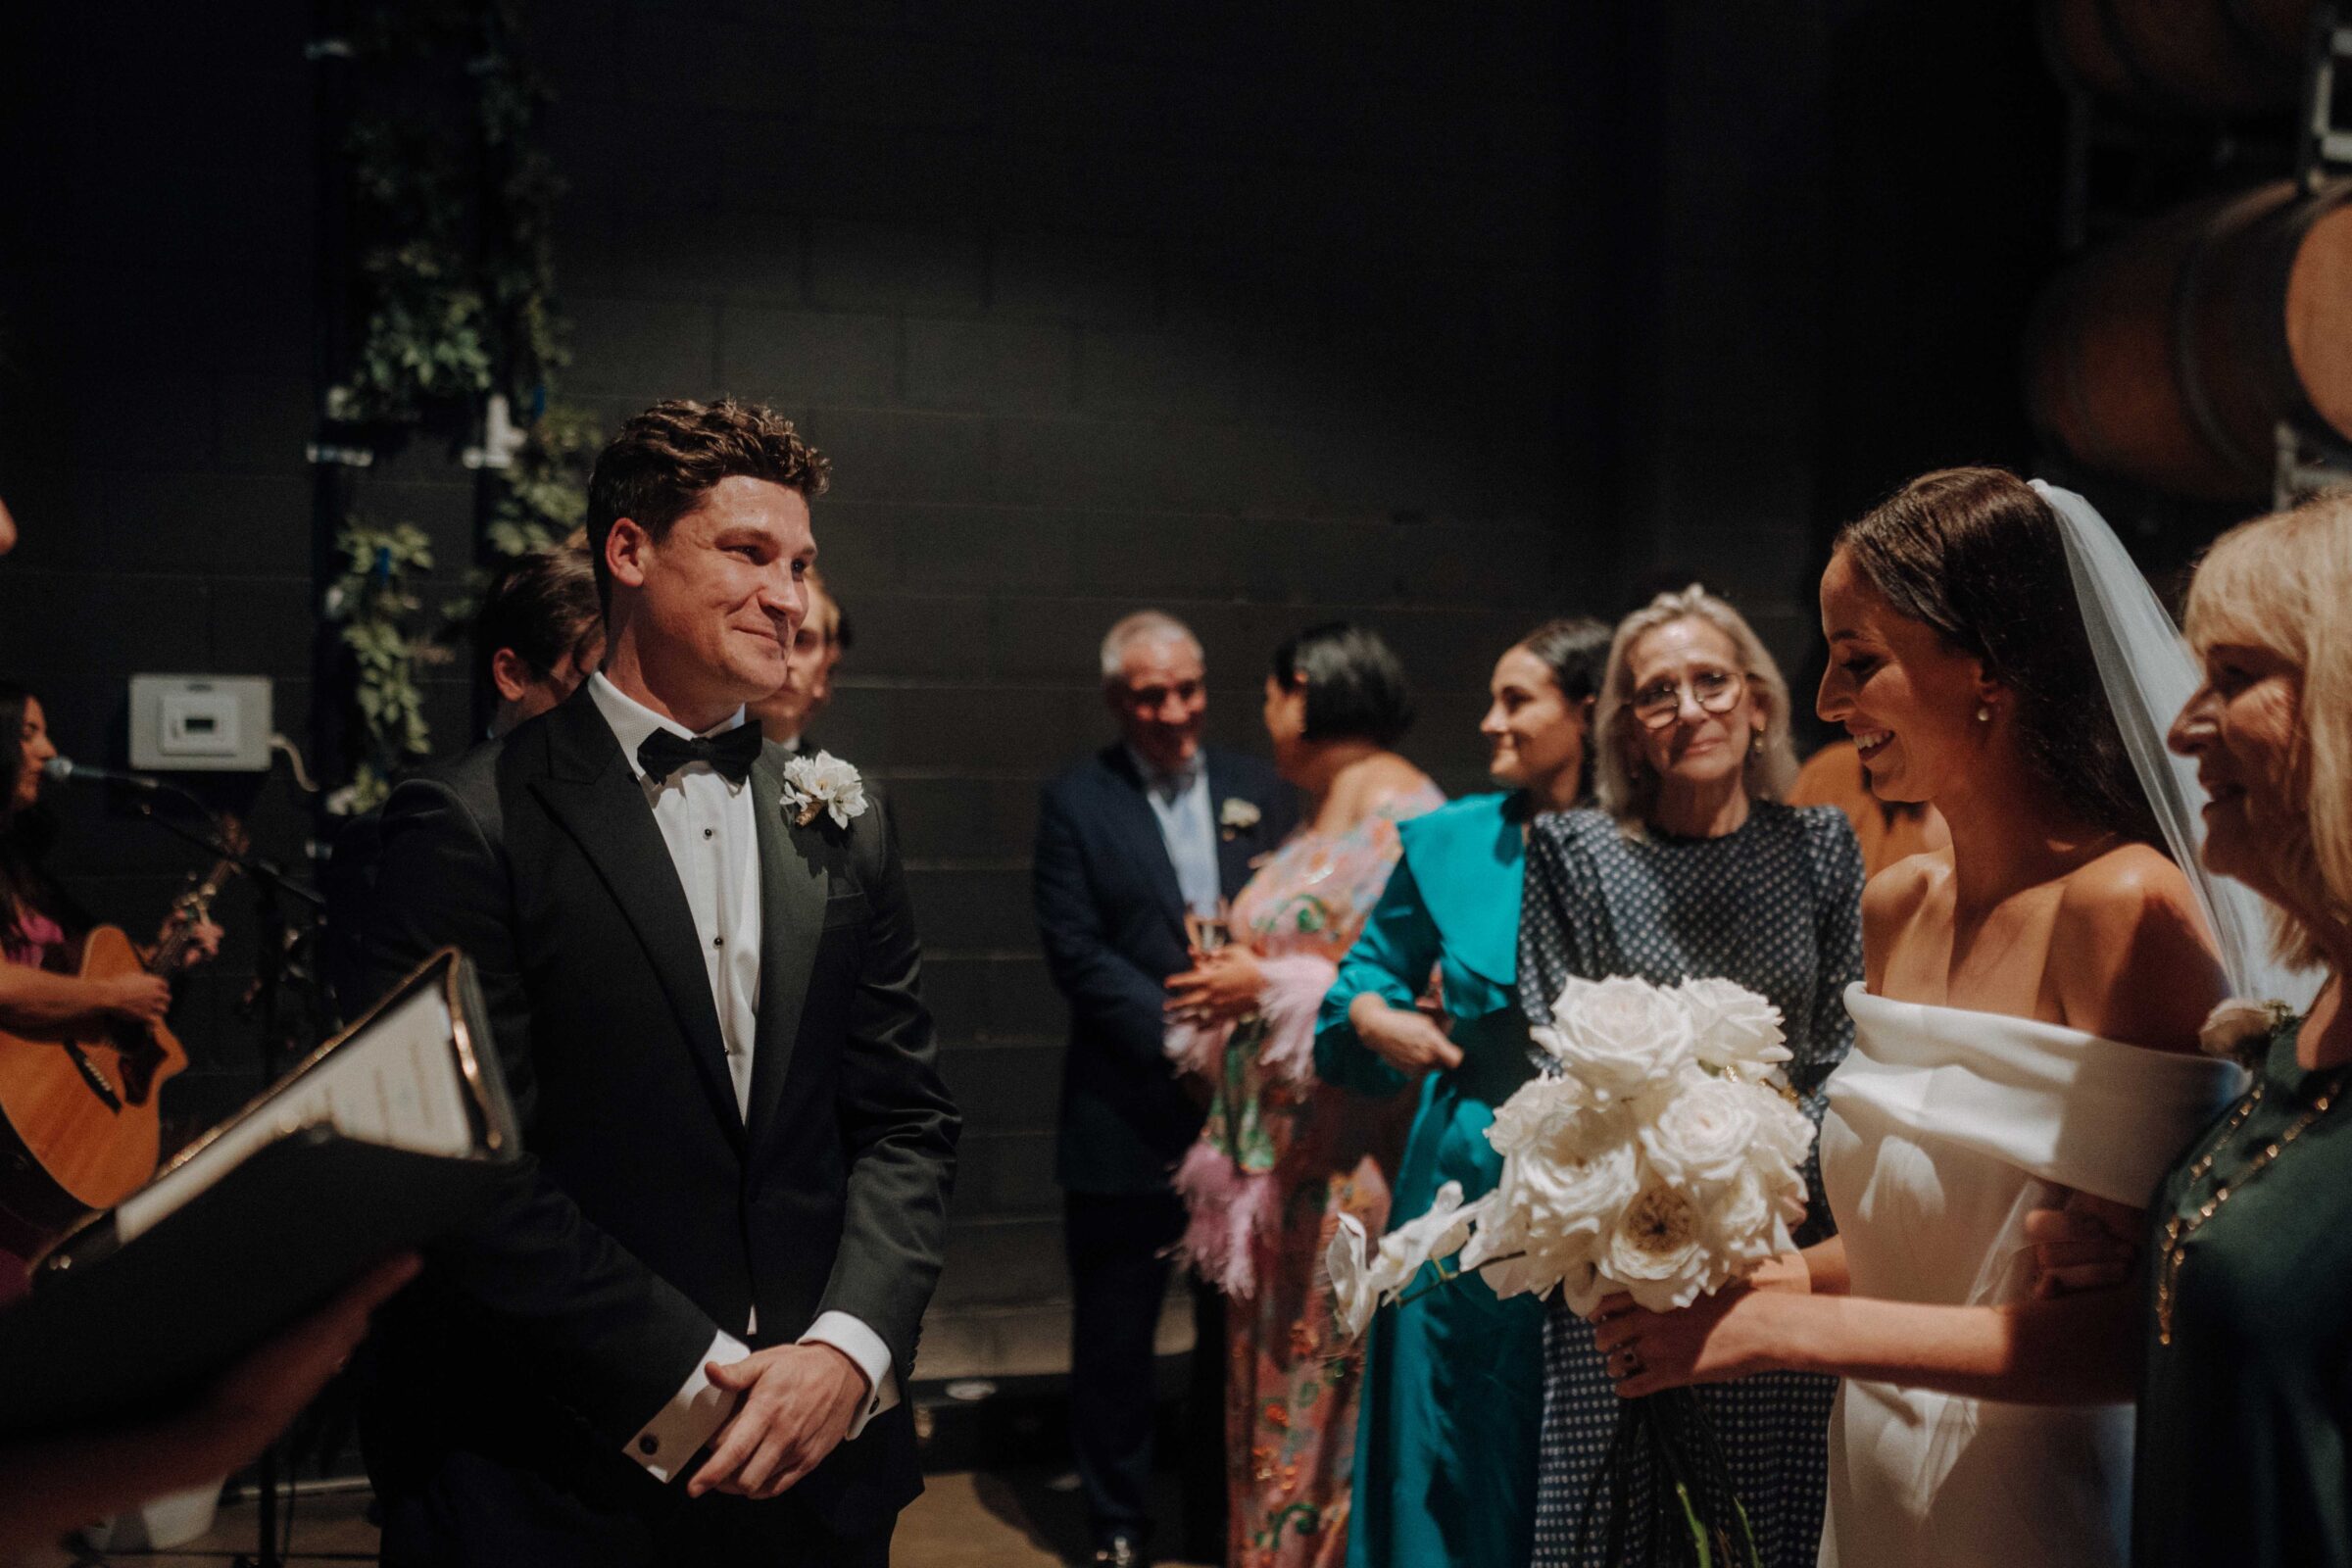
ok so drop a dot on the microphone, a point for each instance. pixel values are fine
(64, 770)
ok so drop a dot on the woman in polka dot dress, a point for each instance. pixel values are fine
(1691, 867)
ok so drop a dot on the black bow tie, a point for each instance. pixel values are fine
(729, 753)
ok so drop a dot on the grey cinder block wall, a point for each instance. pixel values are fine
(1446, 318)
(1242, 316)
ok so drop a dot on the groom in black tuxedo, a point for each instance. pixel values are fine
(682, 1331)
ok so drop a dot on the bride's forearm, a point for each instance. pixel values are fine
(2077, 1350)
(1825, 1264)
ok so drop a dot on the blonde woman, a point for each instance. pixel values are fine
(2246, 1410)
(1691, 867)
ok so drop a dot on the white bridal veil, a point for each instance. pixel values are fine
(2149, 675)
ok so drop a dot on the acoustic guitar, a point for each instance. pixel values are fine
(80, 1122)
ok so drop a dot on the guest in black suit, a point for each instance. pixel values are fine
(681, 1333)
(1130, 843)
(540, 630)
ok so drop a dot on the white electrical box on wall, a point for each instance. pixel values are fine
(204, 723)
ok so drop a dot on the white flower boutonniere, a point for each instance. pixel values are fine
(2240, 1028)
(822, 784)
(1237, 816)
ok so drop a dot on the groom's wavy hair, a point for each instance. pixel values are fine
(665, 460)
(1977, 555)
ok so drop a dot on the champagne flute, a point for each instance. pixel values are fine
(1208, 932)
(1205, 934)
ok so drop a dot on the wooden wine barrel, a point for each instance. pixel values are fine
(2168, 355)
(2184, 57)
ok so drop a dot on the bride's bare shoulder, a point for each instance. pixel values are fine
(1891, 901)
(2121, 889)
(2130, 952)
(1897, 891)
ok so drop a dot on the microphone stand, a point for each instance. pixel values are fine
(264, 874)
(281, 964)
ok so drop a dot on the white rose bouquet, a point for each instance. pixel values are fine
(1660, 1160)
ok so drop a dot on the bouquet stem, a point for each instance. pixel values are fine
(1665, 1448)
(1444, 1277)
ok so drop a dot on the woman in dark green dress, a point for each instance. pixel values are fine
(1452, 1397)
(2244, 1438)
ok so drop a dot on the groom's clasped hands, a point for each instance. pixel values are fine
(796, 1406)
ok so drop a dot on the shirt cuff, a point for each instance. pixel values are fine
(680, 1427)
(866, 1352)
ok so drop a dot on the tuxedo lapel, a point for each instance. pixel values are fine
(1131, 816)
(792, 921)
(592, 793)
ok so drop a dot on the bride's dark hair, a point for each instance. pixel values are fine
(1976, 555)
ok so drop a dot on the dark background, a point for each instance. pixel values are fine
(1447, 318)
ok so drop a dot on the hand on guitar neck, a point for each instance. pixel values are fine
(188, 938)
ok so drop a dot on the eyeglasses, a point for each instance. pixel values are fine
(1716, 691)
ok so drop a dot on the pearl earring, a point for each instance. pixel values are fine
(1985, 713)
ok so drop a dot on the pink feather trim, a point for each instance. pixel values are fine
(1228, 1210)
(1198, 1048)
(1295, 986)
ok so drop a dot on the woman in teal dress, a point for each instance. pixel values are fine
(1453, 1389)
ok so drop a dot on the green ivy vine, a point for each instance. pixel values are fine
(375, 604)
(543, 491)
(453, 216)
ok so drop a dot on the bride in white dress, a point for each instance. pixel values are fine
(2026, 1030)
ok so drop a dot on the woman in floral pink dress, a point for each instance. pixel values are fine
(1282, 1154)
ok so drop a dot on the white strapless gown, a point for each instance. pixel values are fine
(1945, 1128)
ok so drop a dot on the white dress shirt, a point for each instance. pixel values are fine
(1180, 805)
(713, 841)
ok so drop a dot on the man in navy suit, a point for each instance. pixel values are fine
(1129, 843)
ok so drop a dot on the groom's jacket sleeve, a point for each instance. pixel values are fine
(1112, 1001)
(606, 1335)
(898, 1124)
